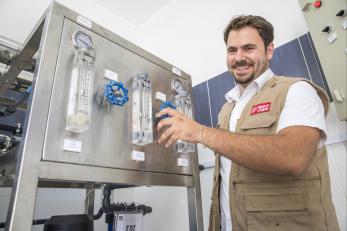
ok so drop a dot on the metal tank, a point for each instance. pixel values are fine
(91, 115)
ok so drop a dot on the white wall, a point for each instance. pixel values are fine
(187, 34)
(21, 16)
(337, 149)
(337, 169)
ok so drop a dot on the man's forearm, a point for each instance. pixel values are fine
(273, 154)
(288, 152)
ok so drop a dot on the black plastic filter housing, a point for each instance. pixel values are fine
(80, 222)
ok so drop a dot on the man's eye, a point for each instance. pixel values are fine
(231, 51)
(249, 48)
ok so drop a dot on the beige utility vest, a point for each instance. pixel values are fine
(261, 201)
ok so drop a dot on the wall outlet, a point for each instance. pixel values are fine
(332, 38)
(339, 95)
(344, 24)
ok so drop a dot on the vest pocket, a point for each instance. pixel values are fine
(258, 124)
(277, 213)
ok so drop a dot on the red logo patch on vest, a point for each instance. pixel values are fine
(260, 108)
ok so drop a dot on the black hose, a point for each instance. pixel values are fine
(108, 207)
(99, 214)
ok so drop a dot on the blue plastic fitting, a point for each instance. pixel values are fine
(29, 89)
(164, 105)
(115, 93)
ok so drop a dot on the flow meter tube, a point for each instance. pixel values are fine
(80, 96)
(142, 133)
(184, 105)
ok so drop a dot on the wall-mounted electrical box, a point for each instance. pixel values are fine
(328, 27)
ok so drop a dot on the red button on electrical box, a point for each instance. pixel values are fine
(317, 4)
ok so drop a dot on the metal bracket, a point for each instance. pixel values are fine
(21, 61)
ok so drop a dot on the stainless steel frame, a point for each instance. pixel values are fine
(41, 158)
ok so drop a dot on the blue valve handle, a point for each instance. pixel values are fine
(164, 105)
(115, 93)
(29, 89)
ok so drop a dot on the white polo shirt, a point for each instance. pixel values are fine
(302, 107)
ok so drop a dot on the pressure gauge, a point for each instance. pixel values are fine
(82, 40)
(177, 85)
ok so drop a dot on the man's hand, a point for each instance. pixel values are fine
(178, 127)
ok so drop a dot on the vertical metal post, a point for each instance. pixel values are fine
(89, 201)
(22, 204)
(194, 199)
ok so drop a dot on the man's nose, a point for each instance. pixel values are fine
(239, 55)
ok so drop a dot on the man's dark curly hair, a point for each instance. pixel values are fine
(263, 27)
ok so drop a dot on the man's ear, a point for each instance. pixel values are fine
(270, 50)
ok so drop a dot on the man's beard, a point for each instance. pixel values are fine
(244, 81)
(243, 63)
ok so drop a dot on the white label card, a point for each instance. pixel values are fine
(137, 155)
(84, 21)
(182, 162)
(110, 75)
(128, 222)
(176, 71)
(72, 145)
(161, 96)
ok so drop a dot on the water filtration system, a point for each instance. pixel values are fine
(91, 115)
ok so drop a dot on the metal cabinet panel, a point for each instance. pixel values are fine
(108, 141)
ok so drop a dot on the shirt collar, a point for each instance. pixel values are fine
(235, 93)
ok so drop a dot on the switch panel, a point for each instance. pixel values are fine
(330, 45)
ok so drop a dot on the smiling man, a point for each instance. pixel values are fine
(271, 169)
